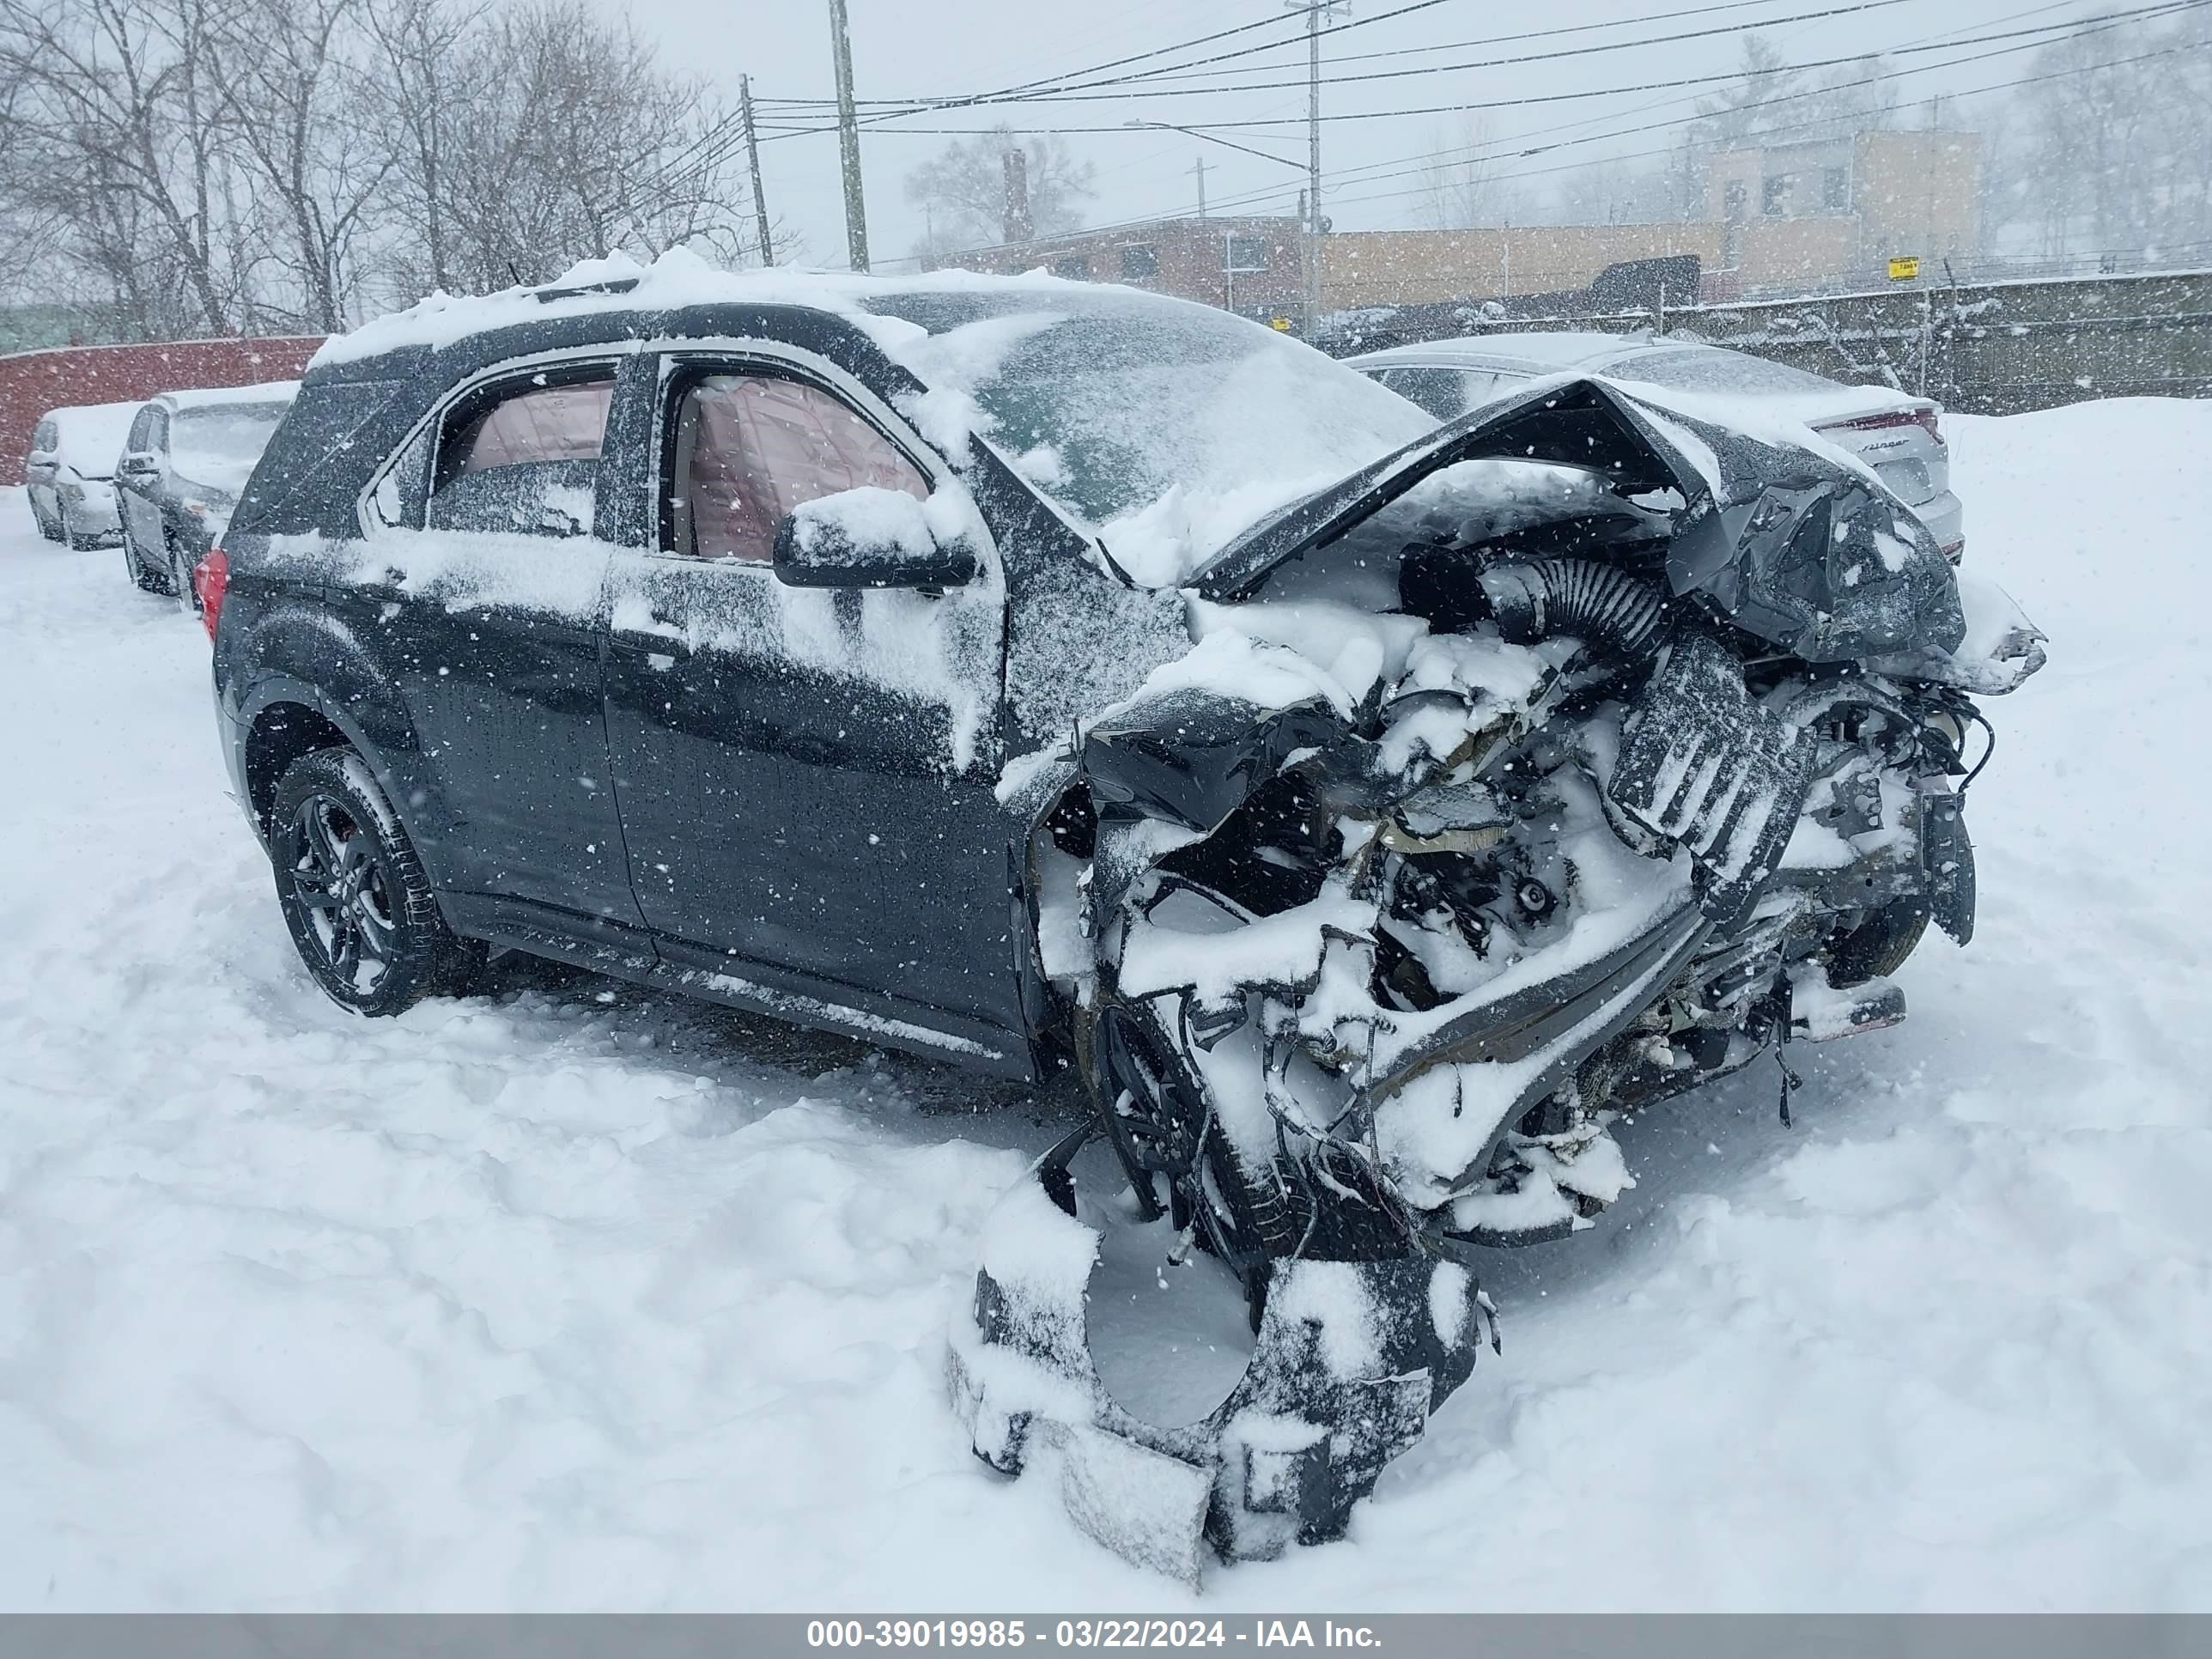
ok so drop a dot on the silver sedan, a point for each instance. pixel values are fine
(1892, 432)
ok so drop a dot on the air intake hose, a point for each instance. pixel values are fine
(1606, 608)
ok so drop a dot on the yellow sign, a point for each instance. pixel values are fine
(1281, 324)
(1905, 269)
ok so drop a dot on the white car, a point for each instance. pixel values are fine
(1892, 432)
(70, 473)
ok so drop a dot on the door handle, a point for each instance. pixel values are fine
(651, 645)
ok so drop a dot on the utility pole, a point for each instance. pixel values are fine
(848, 140)
(1315, 11)
(752, 161)
(1198, 167)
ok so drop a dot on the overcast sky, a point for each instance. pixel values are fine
(945, 48)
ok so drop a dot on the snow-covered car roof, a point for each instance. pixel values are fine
(677, 279)
(90, 436)
(224, 396)
(1692, 367)
(1543, 351)
(1161, 426)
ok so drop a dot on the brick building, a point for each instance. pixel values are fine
(32, 382)
(1254, 266)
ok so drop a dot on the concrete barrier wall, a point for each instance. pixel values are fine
(1991, 349)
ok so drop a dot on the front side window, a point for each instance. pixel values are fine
(752, 448)
(43, 439)
(522, 457)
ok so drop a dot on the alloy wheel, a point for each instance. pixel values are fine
(337, 875)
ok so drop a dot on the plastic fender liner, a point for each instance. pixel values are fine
(1351, 1360)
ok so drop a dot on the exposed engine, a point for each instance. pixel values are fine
(1528, 781)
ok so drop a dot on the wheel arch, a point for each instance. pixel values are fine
(287, 714)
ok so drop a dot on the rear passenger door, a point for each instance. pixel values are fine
(806, 774)
(483, 592)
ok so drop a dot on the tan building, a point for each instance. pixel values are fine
(1834, 210)
(1426, 267)
(1845, 207)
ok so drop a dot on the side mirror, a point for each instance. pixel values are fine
(868, 537)
(139, 464)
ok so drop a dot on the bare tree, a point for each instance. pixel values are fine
(217, 165)
(2113, 141)
(420, 86)
(297, 75)
(574, 142)
(1460, 186)
(962, 189)
(119, 149)
(1771, 100)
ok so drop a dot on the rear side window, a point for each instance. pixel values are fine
(540, 423)
(519, 457)
(751, 448)
(1442, 392)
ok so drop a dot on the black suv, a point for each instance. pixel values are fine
(1009, 669)
(527, 640)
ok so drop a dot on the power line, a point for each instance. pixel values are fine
(2051, 31)
(1085, 93)
(720, 142)
(1252, 197)
(1562, 97)
(1669, 149)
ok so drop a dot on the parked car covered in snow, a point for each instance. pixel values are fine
(1035, 674)
(1897, 434)
(183, 467)
(70, 473)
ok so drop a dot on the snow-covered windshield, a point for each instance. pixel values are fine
(1167, 426)
(1706, 369)
(218, 446)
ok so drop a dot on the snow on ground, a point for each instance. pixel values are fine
(571, 1296)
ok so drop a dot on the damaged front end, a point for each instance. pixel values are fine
(1534, 775)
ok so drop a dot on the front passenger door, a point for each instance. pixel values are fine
(806, 775)
(136, 491)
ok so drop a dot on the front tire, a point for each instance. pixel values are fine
(361, 910)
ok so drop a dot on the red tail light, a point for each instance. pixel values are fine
(1919, 418)
(212, 581)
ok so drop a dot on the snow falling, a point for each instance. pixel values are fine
(573, 1296)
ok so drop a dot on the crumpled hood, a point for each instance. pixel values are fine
(1803, 549)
